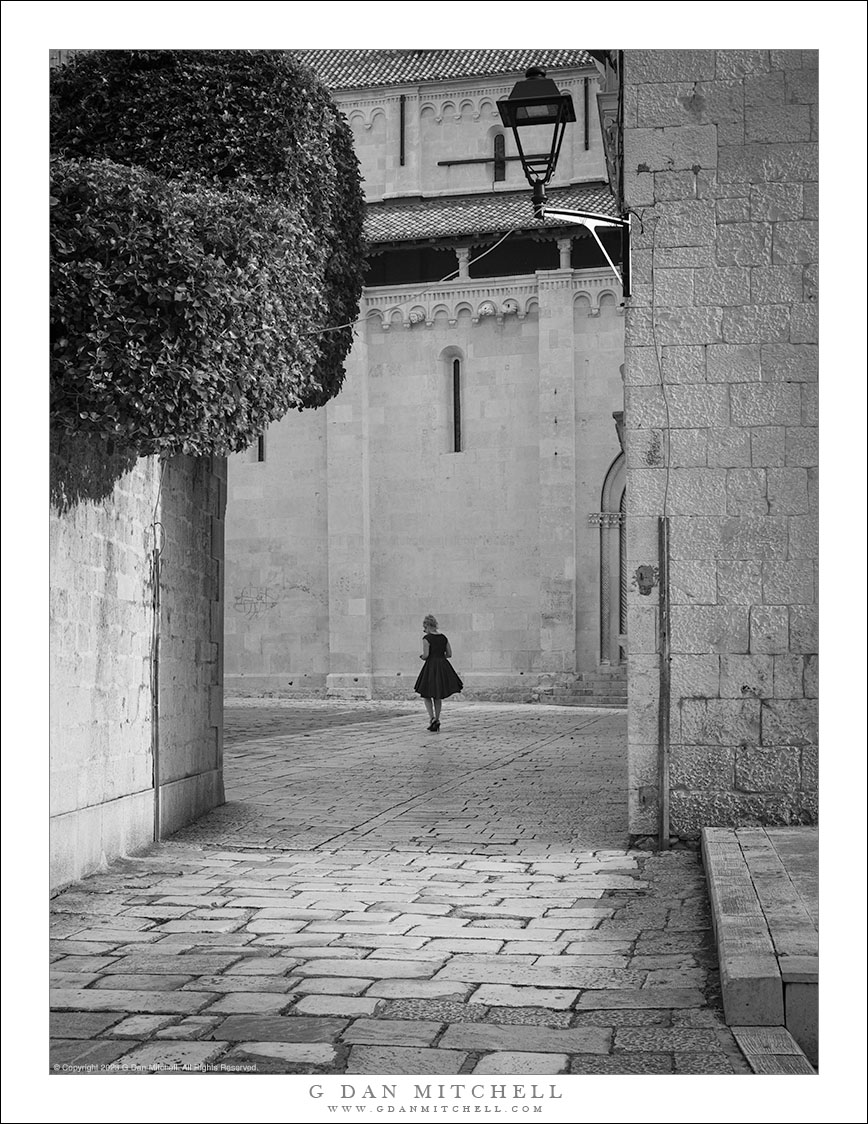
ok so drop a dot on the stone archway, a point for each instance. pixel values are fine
(613, 600)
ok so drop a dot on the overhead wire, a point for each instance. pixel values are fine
(419, 292)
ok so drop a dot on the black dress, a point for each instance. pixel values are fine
(438, 679)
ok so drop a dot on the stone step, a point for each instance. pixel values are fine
(765, 929)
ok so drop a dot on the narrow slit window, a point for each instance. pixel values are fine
(456, 404)
(260, 448)
(499, 158)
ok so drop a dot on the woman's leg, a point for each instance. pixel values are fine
(429, 706)
(437, 704)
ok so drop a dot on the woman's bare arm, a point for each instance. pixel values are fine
(424, 655)
(448, 650)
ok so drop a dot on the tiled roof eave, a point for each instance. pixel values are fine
(464, 218)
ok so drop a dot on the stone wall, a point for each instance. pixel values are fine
(721, 429)
(101, 646)
(363, 517)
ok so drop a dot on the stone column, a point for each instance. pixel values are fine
(557, 474)
(349, 552)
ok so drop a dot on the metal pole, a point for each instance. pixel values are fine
(155, 685)
(664, 701)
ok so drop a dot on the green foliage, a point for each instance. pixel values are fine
(206, 224)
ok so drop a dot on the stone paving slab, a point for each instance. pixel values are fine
(461, 906)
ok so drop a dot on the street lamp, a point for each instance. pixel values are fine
(537, 103)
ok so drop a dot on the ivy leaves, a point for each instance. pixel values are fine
(206, 222)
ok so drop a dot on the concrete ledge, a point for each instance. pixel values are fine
(771, 1050)
(765, 925)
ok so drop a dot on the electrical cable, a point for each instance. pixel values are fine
(419, 292)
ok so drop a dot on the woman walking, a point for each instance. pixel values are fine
(438, 679)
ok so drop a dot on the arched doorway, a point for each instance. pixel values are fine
(613, 566)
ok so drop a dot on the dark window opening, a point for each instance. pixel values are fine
(260, 447)
(407, 267)
(456, 405)
(586, 254)
(514, 258)
(499, 157)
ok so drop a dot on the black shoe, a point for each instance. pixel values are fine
(435, 726)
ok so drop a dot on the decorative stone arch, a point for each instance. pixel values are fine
(613, 564)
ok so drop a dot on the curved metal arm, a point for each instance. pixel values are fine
(591, 221)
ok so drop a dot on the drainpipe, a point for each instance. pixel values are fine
(155, 681)
(663, 713)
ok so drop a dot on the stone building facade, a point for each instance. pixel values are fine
(720, 169)
(471, 466)
(135, 703)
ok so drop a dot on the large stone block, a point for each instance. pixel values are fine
(764, 89)
(765, 163)
(726, 362)
(695, 538)
(689, 325)
(682, 364)
(646, 491)
(778, 123)
(803, 532)
(789, 722)
(787, 491)
(690, 812)
(810, 404)
(697, 491)
(673, 287)
(689, 222)
(746, 677)
(722, 285)
(705, 629)
(728, 448)
(737, 64)
(767, 770)
(702, 767)
(753, 404)
(776, 284)
(692, 407)
(756, 323)
(805, 323)
(803, 628)
(641, 366)
(744, 244)
(788, 681)
(776, 202)
(733, 210)
(645, 407)
(769, 628)
(668, 66)
(746, 491)
(695, 677)
(739, 583)
(768, 446)
(722, 722)
(644, 448)
(788, 583)
(801, 86)
(671, 148)
(795, 242)
(789, 362)
(688, 448)
(693, 583)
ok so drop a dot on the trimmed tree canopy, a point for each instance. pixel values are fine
(206, 226)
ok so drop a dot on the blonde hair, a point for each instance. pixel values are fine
(430, 621)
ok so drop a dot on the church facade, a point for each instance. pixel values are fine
(472, 465)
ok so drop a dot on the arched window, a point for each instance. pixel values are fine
(499, 157)
(456, 405)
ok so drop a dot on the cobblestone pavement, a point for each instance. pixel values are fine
(376, 899)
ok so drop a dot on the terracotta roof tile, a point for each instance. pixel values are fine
(466, 215)
(351, 69)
